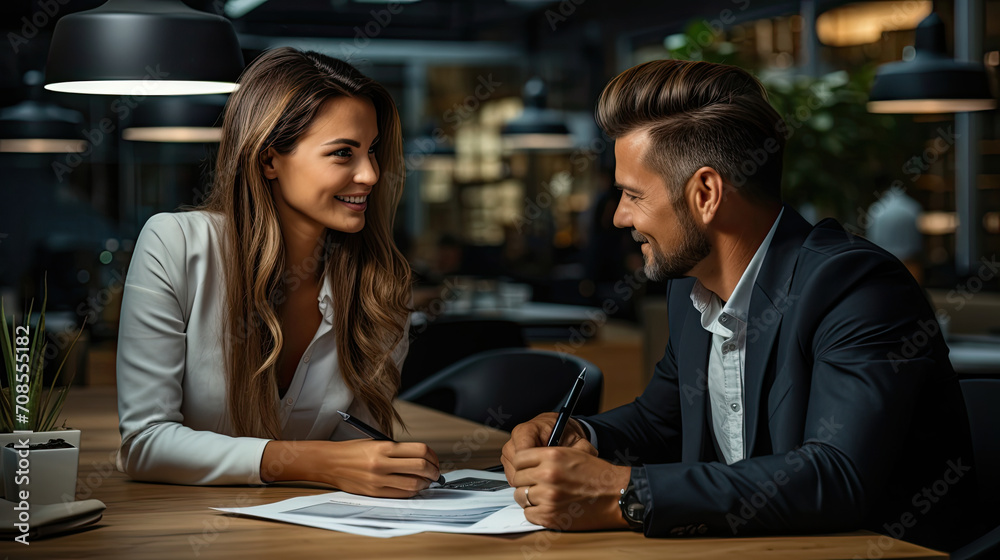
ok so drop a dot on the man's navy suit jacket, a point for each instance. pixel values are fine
(853, 414)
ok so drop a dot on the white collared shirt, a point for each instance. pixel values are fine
(171, 381)
(727, 321)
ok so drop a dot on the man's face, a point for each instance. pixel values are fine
(672, 242)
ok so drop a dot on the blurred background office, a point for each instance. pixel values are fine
(507, 210)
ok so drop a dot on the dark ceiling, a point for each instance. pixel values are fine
(531, 25)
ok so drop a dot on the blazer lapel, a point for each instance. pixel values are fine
(768, 303)
(692, 375)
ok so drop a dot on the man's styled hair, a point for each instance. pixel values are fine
(699, 114)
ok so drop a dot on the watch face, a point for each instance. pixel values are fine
(632, 508)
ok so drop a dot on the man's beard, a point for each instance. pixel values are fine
(694, 247)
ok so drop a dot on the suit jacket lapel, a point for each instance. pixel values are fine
(692, 376)
(768, 303)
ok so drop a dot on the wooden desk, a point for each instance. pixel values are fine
(166, 521)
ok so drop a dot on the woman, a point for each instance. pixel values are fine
(228, 370)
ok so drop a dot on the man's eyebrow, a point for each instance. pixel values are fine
(622, 187)
(347, 141)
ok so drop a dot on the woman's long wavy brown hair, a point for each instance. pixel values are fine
(279, 96)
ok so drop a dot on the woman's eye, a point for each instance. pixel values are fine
(371, 150)
(343, 152)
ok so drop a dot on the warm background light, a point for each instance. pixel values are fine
(42, 145)
(864, 22)
(930, 105)
(173, 134)
(937, 223)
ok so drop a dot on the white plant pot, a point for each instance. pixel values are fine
(52, 472)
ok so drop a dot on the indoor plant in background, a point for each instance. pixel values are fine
(27, 404)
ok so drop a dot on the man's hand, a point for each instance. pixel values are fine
(568, 489)
(535, 433)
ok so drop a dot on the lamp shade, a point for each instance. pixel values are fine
(177, 119)
(39, 127)
(536, 128)
(933, 82)
(143, 47)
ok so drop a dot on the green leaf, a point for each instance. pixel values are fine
(44, 403)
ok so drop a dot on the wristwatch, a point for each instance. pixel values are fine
(632, 508)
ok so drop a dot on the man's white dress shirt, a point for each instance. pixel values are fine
(727, 321)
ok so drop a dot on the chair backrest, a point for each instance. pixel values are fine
(502, 388)
(442, 342)
(982, 399)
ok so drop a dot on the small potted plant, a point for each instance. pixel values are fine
(29, 411)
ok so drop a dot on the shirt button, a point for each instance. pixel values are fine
(289, 400)
(724, 319)
(735, 407)
(306, 359)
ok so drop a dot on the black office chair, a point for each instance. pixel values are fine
(502, 388)
(444, 341)
(982, 398)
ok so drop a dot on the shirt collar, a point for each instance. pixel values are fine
(325, 298)
(738, 307)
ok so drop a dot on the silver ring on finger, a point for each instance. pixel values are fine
(526, 500)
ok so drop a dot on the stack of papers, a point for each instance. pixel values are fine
(471, 501)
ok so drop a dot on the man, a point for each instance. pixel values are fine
(805, 386)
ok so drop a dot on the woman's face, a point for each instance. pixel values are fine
(326, 180)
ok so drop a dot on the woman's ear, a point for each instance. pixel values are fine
(269, 163)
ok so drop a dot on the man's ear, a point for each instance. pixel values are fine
(705, 192)
(269, 163)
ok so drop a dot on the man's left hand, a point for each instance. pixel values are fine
(568, 489)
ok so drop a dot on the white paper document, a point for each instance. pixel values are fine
(471, 501)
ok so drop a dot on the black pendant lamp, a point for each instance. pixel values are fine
(37, 126)
(177, 119)
(933, 82)
(537, 128)
(143, 47)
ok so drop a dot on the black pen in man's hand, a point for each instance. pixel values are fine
(567, 410)
(372, 433)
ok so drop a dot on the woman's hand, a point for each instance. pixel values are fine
(383, 469)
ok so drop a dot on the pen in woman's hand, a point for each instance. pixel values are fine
(373, 433)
